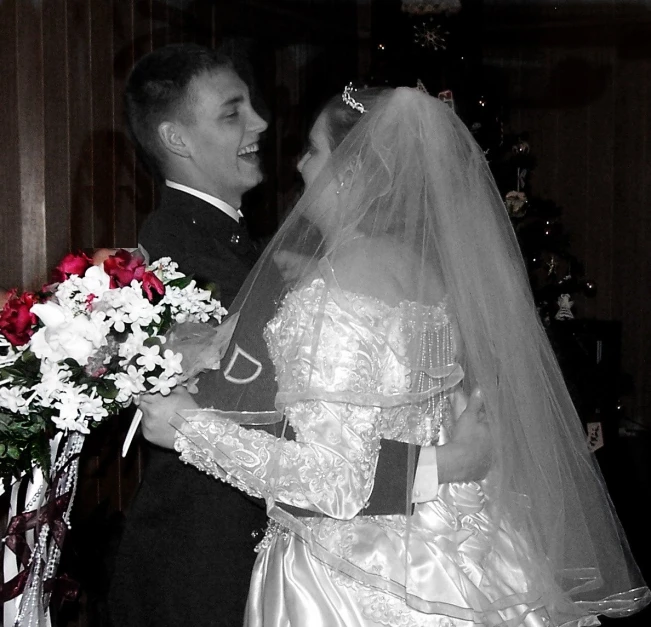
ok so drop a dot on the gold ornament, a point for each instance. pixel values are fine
(516, 203)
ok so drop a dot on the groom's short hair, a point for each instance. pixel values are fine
(158, 89)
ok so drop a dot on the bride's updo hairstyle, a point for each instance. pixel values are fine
(340, 117)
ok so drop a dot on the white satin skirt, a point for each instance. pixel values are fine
(291, 587)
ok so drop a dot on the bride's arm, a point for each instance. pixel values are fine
(332, 473)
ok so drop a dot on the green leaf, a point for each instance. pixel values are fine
(181, 282)
(13, 452)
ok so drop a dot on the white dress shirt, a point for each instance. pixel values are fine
(222, 205)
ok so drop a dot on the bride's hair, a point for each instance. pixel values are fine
(341, 117)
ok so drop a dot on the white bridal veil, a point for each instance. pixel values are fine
(410, 183)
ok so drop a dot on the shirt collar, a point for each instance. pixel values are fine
(222, 205)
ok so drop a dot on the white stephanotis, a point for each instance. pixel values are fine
(92, 407)
(150, 357)
(162, 384)
(13, 398)
(75, 407)
(129, 383)
(66, 335)
(53, 377)
(132, 344)
(192, 303)
(133, 307)
(166, 269)
(172, 363)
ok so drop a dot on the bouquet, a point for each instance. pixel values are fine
(71, 356)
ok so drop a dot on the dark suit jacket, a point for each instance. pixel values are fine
(186, 554)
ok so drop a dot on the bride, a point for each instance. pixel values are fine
(395, 288)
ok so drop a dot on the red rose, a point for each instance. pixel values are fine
(150, 284)
(123, 267)
(16, 320)
(72, 263)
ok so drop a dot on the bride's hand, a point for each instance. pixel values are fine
(293, 265)
(157, 411)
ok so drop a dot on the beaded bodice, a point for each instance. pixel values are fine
(351, 370)
(403, 357)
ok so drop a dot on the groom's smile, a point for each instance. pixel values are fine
(222, 135)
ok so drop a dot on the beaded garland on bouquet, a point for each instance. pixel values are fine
(71, 356)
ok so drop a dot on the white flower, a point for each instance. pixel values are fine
(192, 303)
(12, 398)
(162, 384)
(129, 384)
(132, 344)
(149, 357)
(165, 269)
(53, 378)
(92, 406)
(95, 281)
(134, 306)
(116, 318)
(172, 362)
(66, 335)
(69, 404)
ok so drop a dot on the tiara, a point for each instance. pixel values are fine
(349, 100)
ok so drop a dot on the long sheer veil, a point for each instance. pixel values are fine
(410, 179)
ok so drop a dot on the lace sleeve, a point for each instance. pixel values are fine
(332, 473)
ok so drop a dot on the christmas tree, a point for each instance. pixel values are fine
(435, 45)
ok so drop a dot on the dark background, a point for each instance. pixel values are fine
(576, 76)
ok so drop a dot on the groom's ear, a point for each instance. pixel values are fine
(171, 136)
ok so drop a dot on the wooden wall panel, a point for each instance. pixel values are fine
(11, 271)
(56, 76)
(80, 123)
(100, 137)
(31, 148)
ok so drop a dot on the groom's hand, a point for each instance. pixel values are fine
(468, 456)
(157, 411)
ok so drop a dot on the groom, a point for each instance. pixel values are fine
(188, 547)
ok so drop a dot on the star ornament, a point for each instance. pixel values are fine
(428, 35)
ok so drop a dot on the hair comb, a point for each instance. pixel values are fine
(348, 98)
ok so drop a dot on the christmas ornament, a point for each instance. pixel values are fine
(589, 289)
(430, 35)
(564, 308)
(520, 148)
(447, 97)
(595, 436)
(516, 204)
(425, 7)
(522, 175)
(551, 265)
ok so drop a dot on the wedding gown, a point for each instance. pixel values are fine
(459, 559)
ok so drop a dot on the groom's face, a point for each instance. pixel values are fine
(222, 134)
